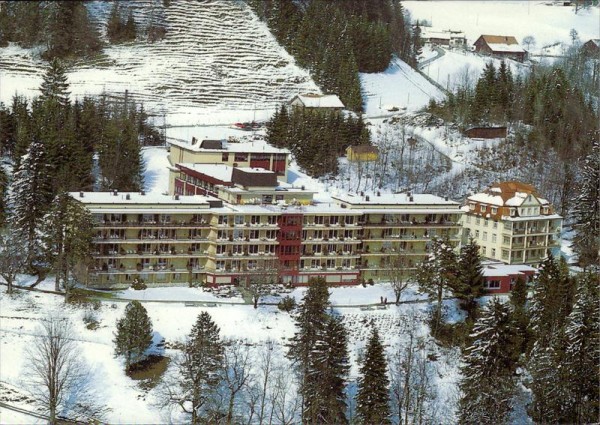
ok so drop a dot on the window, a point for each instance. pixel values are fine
(506, 240)
(468, 219)
(513, 212)
(494, 252)
(492, 284)
(493, 237)
(545, 210)
(494, 210)
(241, 156)
(476, 233)
(225, 156)
(477, 220)
(495, 225)
(471, 206)
(485, 222)
(482, 208)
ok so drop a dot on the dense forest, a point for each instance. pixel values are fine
(336, 40)
(316, 138)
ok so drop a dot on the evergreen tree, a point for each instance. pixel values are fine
(587, 211)
(436, 274)
(3, 195)
(470, 278)
(66, 234)
(373, 399)
(312, 322)
(200, 367)
(582, 355)
(520, 316)
(30, 195)
(55, 86)
(134, 334)
(489, 362)
(70, 32)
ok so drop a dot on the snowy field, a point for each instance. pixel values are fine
(547, 24)
(398, 86)
(130, 401)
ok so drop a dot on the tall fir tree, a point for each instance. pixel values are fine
(30, 196)
(133, 335)
(582, 355)
(586, 211)
(373, 398)
(66, 235)
(200, 367)
(489, 364)
(470, 278)
(520, 314)
(436, 274)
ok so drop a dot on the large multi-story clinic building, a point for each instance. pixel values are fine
(228, 219)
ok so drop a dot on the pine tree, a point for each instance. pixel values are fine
(586, 211)
(520, 316)
(372, 398)
(55, 86)
(30, 196)
(134, 334)
(200, 367)
(436, 274)
(470, 278)
(582, 355)
(66, 234)
(331, 366)
(487, 384)
(311, 321)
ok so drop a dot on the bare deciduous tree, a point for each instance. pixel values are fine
(237, 361)
(265, 275)
(397, 275)
(58, 380)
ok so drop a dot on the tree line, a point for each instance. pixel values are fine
(58, 146)
(64, 29)
(316, 138)
(336, 40)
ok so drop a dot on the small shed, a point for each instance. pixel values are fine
(358, 153)
(486, 132)
(500, 278)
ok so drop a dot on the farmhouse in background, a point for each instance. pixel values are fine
(591, 48)
(362, 153)
(317, 101)
(503, 46)
(448, 38)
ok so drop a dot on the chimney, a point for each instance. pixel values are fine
(142, 192)
(367, 198)
(408, 194)
(177, 197)
(445, 198)
(303, 188)
(194, 141)
(115, 192)
(378, 193)
(411, 199)
(128, 197)
(81, 194)
(362, 193)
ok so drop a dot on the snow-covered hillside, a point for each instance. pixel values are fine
(217, 57)
(547, 24)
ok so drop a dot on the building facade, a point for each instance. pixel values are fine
(512, 223)
(178, 240)
(502, 46)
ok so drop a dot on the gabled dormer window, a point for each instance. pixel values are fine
(482, 208)
(494, 210)
(545, 210)
(471, 206)
(513, 212)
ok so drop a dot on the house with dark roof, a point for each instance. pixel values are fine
(502, 46)
(591, 48)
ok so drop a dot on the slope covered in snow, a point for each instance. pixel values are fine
(217, 57)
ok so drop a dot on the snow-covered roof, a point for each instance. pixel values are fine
(311, 100)
(517, 200)
(394, 199)
(486, 198)
(133, 198)
(506, 48)
(441, 34)
(533, 217)
(257, 146)
(499, 269)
